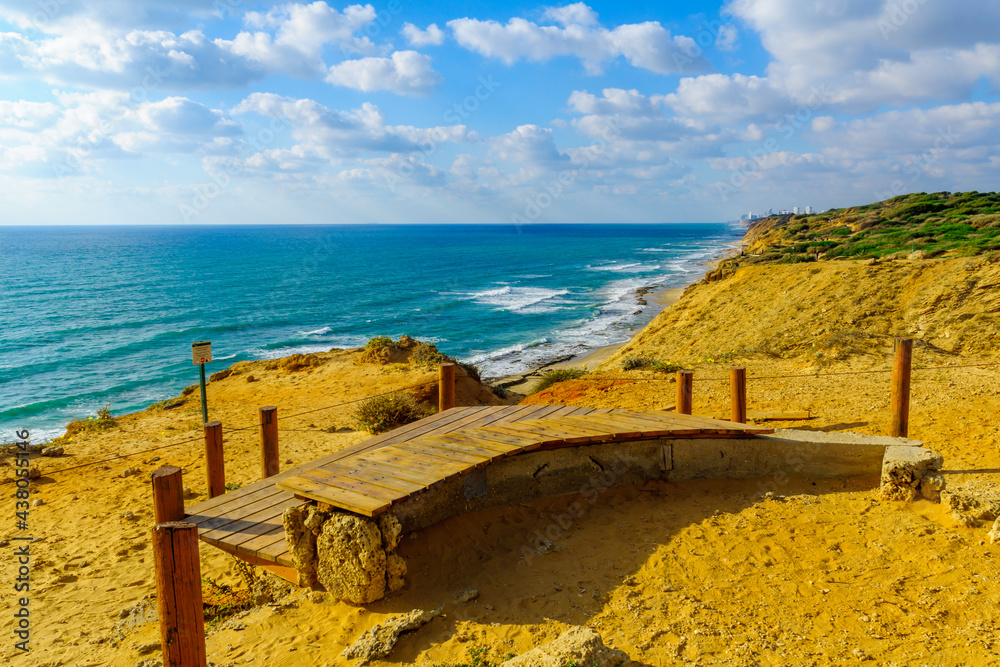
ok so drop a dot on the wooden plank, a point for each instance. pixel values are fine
(673, 420)
(241, 513)
(469, 459)
(462, 443)
(372, 476)
(409, 475)
(571, 433)
(433, 466)
(265, 540)
(498, 448)
(705, 422)
(234, 503)
(800, 415)
(248, 525)
(348, 500)
(631, 423)
(353, 484)
(518, 431)
(485, 433)
(591, 426)
(531, 412)
(626, 430)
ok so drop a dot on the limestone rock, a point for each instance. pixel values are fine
(52, 451)
(391, 530)
(301, 540)
(395, 570)
(468, 595)
(969, 510)
(932, 485)
(904, 469)
(351, 560)
(269, 588)
(378, 642)
(578, 645)
(995, 533)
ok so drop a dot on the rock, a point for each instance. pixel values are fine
(932, 485)
(468, 595)
(870, 262)
(395, 570)
(302, 524)
(379, 641)
(904, 469)
(316, 597)
(968, 510)
(251, 378)
(391, 530)
(578, 645)
(34, 472)
(221, 375)
(351, 559)
(919, 254)
(37, 502)
(269, 588)
(189, 492)
(995, 533)
(52, 451)
(130, 472)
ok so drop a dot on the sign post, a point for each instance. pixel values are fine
(201, 354)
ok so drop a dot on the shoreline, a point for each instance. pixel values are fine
(522, 383)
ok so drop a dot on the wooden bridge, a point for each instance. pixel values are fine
(371, 476)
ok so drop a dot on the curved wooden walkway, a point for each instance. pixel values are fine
(368, 478)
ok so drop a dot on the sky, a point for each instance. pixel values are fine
(233, 111)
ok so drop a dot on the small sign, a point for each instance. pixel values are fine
(201, 352)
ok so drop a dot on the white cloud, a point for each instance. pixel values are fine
(432, 36)
(575, 14)
(728, 38)
(405, 73)
(646, 45)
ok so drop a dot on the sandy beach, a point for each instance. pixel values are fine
(710, 572)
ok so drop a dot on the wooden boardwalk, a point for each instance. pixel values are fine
(367, 478)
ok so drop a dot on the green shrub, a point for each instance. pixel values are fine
(557, 376)
(633, 363)
(427, 354)
(384, 413)
(378, 350)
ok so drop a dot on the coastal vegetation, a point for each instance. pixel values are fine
(557, 376)
(384, 413)
(940, 224)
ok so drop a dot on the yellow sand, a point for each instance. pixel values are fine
(708, 573)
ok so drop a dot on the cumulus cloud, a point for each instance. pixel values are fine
(432, 36)
(405, 73)
(286, 40)
(646, 45)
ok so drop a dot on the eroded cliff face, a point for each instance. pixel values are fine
(830, 311)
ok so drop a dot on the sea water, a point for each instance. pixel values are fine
(97, 315)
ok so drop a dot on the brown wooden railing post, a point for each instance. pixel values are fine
(168, 494)
(178, 594)
(446, 387)
(900, 425)
(738, 395)
(685, 386)
(215, 465)
(269, 441)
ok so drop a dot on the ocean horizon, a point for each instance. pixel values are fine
(98, 315)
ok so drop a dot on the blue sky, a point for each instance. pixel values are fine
(121, 111)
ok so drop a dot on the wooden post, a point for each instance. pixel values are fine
(685, 385)
(738, 395)
(178, 594)
(168, 494)
(446, 387)
(215, 465)
(269, 441)
(900, 425)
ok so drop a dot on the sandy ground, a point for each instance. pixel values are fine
(705, 573)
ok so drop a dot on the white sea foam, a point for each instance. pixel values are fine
(521, 299)
(634, 267)
(657, 250)
(317, 332)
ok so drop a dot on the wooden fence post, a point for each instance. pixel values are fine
(900, 425)
(168, 494)
(446, 387)
(738, 395)
(215, 464)
(685, 386)
(178, 594)
(269, 441)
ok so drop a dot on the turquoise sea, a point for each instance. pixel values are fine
(107, 314)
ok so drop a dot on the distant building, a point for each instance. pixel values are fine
(795, 210)
(809, 210)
